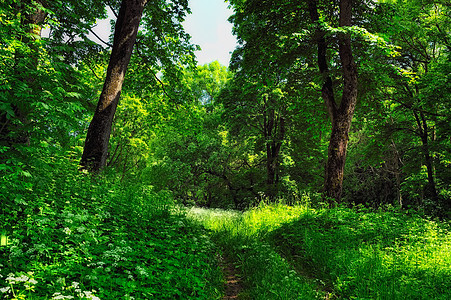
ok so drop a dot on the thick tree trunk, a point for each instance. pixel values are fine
(340, 114)
(336, 159)
(96, 145)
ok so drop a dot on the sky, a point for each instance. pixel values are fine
(208, 27)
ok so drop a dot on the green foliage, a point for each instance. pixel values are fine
(383, 255)
(205, 136)
(76, 235)
(399, 147)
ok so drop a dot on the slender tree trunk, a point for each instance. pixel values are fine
(272, 162)
(430, 190)
(96, 145)
(274, 133)
(396, 161)
(340, 114)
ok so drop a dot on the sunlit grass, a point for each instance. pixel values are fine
(347, 253)
(266, 275)
(370, 255)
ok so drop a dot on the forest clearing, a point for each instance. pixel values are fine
(317, 165)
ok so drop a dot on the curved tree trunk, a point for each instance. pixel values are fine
(96, 145)
(340, 114)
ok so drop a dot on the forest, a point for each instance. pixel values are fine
(317, 165)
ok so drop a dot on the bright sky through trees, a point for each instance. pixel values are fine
(207, 25)
(210, 29)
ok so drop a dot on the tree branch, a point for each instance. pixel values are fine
(112, 9)
(100, 39)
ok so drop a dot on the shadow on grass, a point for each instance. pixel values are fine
(383, 255)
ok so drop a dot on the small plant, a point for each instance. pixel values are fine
(19, 286)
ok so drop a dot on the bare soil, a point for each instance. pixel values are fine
(233, 285)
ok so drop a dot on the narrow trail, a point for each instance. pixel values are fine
(233, 285)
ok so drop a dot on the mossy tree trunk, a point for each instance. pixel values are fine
(96, 145)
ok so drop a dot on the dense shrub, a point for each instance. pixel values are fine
(74, 235)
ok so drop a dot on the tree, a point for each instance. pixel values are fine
(258, 111)
(420, 75)
(192, 154)
(126, 30)
(15, 116)
(41, 75)
(340, 113)
(280, 36)
(96, 145)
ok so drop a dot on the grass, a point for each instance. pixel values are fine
(370, 255)
(265, 274)
(293, 252)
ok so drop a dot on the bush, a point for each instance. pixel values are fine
(75, 235)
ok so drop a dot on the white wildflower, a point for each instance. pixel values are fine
(90, 295)
(10, 277)
(58, 296)
(22, 278)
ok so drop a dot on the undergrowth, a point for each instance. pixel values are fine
(292, 252)
(370, 255)
(68, 235)
(74, 236)
(265, 274)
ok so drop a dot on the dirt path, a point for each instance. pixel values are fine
(233, 285)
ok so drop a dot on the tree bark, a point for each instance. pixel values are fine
(274, 133)
(430, 190)
(396, 170)
(96, 145)
(340, 114)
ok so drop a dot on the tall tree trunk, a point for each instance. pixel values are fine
(274, 133)
(340, 114)
(96, 145)
(272, 169)
(430, 191)
(396, 170)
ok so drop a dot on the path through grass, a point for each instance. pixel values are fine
(292, 252)
(265, 274)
